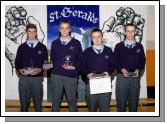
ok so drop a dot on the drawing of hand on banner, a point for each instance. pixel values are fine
(15, 31)
(113, 28)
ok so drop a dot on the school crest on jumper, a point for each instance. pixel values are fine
(39, 52)
(106, 56)
(72, 47)
(138, 50)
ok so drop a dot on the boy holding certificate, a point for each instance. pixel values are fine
(98, 62)
(30, 58)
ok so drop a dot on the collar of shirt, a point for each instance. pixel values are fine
(127, 43)
(95, 49)
(66, 40)
(35, 42)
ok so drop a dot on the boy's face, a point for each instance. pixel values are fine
(65, 29)
(130, 32)
(31, 34)
(97, 38)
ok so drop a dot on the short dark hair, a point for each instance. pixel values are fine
(65, 21)
(97, 30)
(32, 26)
(129, 25)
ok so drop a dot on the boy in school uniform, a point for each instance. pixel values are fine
(30, 58)
(130, 61)
(98, 59)
(66, 54)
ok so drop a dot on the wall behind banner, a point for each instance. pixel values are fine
(39, 15)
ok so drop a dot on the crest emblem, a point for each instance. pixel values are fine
(138, 50)
(106, 56)
(39, 52)
(72, 47)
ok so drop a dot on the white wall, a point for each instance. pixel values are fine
(151, 28)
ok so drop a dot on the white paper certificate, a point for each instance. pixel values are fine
(100, 85)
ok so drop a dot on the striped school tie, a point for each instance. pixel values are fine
(129, 46)
(31, 45)
(63, 42)
(99, 51)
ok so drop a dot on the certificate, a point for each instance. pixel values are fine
(100, 85)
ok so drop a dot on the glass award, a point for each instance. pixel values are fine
(47, 65)
(132, 74)
(28, 70)
(68, 61)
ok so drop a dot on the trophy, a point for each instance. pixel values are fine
(48, 64)
(132, 74)
(28, 71)
(68, 61)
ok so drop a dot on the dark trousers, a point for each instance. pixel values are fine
(95, 101)
(31, 87)
(69, 85)
(127, 89)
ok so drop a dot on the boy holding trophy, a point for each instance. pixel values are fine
(30, 58)
(130, 61)
(66, 54)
